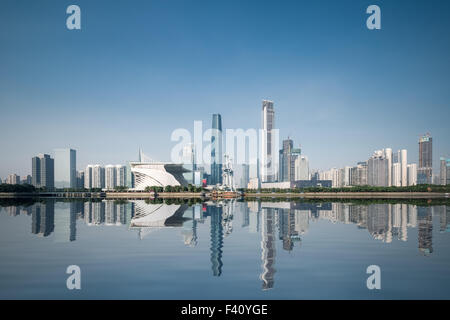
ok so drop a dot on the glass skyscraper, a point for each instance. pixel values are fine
(425, 170)
(65, 168)
(216, 149)
(43, 172)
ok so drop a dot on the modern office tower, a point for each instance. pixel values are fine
(388, 155)
(13, 179)
(188, 160)
(121, 175)
(302, 168)
(268, 153)
(412, 174)
(65, 168)
(216, 150)
(377, 170)
(110, 177)
(285, 160)
(425, 169)
(43, 168)
(358, 174)
(88, 176)
(396, 175)
(288, 155)
(80, 180)
(98, 177)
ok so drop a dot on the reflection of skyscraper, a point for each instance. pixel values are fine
(425, 225)
(43, 216)
(268, 248)
(65, 221)
(216, 239)
(216, 149)
(378, 222)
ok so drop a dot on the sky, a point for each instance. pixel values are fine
(137, 70)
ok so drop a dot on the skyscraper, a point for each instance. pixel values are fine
(412, 174)
(425, 170)
(98, 177)
(268, 165)
(285, 160)
(110, 177)
(43, 168)
(65, 168)
(88, 177)
(216, 149)
(302, 168)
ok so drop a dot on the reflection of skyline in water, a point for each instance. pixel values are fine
(283, 222)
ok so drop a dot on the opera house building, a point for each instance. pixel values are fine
(161, 174)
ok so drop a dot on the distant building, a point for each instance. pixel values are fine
(26, 180)
(216, 150)
(98, 177)
(425, 169)
(444, 175)
(88, 176)
(301, 165)
(396, 174)
(188, 160)
(358, 174)
(13, 179)
(110, 177)
(377, 170)
(65, 168)
(43, 171)
(400, 158)
(121, 175)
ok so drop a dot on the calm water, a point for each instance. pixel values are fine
(224, 250)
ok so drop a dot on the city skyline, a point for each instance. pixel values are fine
(325, 90)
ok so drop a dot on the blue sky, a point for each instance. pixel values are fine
(140, 69)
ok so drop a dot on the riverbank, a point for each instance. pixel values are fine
(187, 195)
(352, 195)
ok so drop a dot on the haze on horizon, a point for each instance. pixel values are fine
(136, 72)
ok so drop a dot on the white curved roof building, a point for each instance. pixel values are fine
(149, 174)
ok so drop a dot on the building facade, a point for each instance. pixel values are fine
(43, 167)
(425, 169)
(268, 164)
(216, 150)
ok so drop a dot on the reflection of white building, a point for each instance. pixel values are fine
(157, 174)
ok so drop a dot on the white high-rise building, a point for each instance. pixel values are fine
(302, 168)
(110, 177)
(404, 166)
(269, 144)
(396, 175)
(98, 176)
(121, 175)
(388, 156)
(412, 174)
(88, 177)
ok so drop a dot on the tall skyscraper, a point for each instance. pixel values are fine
(425, 170)
(43, 171)
(216, 149)
(268, 165)
(65, 168)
